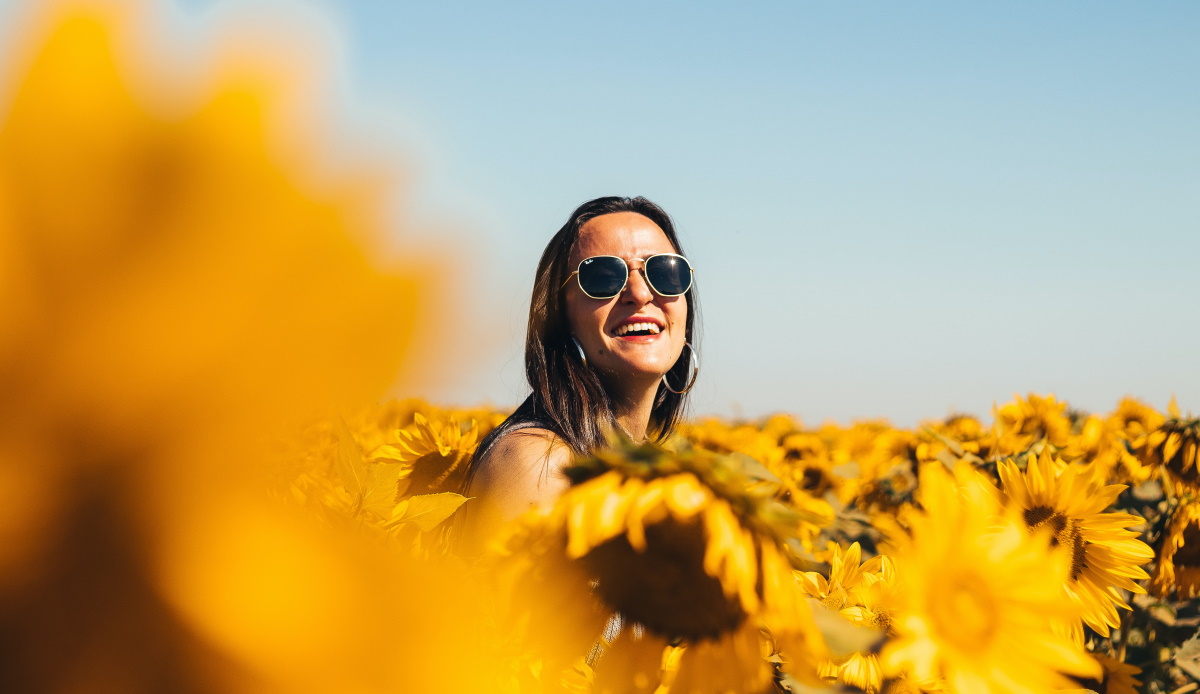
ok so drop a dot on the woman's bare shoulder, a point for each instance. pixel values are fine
(525, 463)
(521, 470)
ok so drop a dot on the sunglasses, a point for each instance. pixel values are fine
(605, 276)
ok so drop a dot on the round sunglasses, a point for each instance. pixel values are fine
(605, 276)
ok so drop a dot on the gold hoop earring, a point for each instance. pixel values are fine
(582, 356)
(694, 360)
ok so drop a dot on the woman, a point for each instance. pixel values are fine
(610, 320)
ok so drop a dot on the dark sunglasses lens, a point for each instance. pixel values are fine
(669, 275)
(602, 277)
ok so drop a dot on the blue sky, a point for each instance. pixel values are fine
(895, 209)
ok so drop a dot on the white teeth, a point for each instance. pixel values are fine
(630, 327)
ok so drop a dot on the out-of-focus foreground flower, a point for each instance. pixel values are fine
(173, 286)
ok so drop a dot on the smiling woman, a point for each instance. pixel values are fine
(608, 348)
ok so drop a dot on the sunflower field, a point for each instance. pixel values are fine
(203, 487)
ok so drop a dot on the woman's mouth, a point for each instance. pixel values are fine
(638, 331)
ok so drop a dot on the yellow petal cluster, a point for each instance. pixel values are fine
(862, 593)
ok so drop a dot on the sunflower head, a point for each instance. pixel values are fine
(1068, 504)
(1135, 419)
(808, 465)
(434, 454)
(1026, 421)
(687, 546)
(1175, 447)
(677, 541)
(1178, 567)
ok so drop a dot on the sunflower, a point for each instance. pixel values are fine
(1118, 678)
(1105, 557)
(688, 520)
(1023, 422)
(721, 437)
(979, 596)
(1178, 569)
(806, 458)
(858, 592)
(846, 574)
(677, 543)
(959, 435)
(797, 486)
(435, 453)
(880, 452)
(1175, 448)
(1132, 422)
(1135, 419)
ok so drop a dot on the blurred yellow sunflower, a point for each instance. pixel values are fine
(958, 435)
(1178, 568)
(1175, 448)
(180, 275)
(1104, 556)
(1132, 422)
(979, 596)
(723, 437)
(1026, 421)
(1135, 419)
(806, 458)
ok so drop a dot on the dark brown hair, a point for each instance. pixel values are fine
(568, 397)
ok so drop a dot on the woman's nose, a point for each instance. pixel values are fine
(638, 289)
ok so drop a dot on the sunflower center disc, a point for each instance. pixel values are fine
(1065, 533)
(665, 588)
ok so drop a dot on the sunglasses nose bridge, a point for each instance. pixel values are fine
(640, 287)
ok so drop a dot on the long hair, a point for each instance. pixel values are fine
(568, 397)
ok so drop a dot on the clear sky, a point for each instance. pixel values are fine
(895, 209)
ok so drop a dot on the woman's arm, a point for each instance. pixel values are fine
(522, 470)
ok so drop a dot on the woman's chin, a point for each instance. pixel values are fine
(644, 372)
(640, 361)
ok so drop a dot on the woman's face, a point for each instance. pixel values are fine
(598, 324)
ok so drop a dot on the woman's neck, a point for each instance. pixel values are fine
(633, 412)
